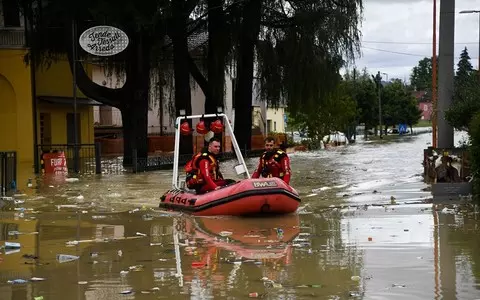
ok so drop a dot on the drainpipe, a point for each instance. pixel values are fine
(28, 22)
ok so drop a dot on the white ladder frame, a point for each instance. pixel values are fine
(241, 168)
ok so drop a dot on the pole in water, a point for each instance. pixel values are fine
(74, 74)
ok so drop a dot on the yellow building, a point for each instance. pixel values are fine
(32, 96)
(274, 119)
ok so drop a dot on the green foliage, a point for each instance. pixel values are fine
(398, 105)
(474, 151)
(421, 77)
(466, 97)
(302, 47)
(363, 91)
(335, 113)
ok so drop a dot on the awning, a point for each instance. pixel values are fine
(68, 100)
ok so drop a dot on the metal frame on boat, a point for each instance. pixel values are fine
(241, 168)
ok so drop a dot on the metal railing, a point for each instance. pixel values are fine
(90, 161)
(8, 172)
(12, 38)
(79, 159)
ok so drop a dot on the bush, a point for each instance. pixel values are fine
(475, 153)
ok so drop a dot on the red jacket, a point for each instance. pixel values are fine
(203, 171)
(274, 164)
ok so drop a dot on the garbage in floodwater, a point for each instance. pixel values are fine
(136, 268)
(147, 217)
(63, 258)
(355, 278)
(17, 281)
(127, 292)
(71, 179)
(37, 279)
(10, 245)
(447, 210)
(225, 233)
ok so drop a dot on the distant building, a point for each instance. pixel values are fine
(426, 108)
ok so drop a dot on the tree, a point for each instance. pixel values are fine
(146, 25)
(364, 93)
(464, 68)
(421, 77)
(466, 95)
(465, 79)
(334, 114)
(398, 105)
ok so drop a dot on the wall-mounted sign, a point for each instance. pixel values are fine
(103, 40)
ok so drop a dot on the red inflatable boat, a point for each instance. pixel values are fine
(246, 197)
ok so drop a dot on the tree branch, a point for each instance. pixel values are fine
(92, 90)
(198, 76)
(190, 6)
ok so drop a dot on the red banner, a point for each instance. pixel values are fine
(55, 163)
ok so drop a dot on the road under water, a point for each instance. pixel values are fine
(103, 238)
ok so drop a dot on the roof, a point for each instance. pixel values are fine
(68, 100)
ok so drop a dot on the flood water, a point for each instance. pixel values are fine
(103, 238)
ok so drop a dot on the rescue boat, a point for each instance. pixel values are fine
(248, 196)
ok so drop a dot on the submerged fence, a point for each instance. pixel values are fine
(87, 159)
(8, 172)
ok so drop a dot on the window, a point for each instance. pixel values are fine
(11, 13)
(275, 126)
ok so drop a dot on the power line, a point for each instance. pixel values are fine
(413, 43)
(405, 53)
(395, 52)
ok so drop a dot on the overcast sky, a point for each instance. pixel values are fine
(405, 26)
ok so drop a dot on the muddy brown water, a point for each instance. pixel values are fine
(103, 238)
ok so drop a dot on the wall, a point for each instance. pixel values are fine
(156, 119)
(57, 80)
(276, 116)
(426, 108)
(16, 125)
(58, 115)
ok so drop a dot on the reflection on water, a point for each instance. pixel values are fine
(397, 252)
(361, 247)
(276, 257)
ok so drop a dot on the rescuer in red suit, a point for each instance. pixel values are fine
(273, 163)
(203, 172)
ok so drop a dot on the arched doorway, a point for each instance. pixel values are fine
(8, 116)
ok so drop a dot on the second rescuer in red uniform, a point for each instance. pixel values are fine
(273, 163)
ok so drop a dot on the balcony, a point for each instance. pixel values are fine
(12, 38)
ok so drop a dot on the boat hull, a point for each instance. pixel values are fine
(247, 197)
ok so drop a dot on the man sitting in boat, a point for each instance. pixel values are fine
(273, 163)
(203, 172)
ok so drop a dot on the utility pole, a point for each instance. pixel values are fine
(378, 81)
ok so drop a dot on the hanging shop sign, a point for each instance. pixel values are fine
(103, 40)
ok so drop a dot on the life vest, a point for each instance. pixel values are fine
(194, 176)
(271, 164)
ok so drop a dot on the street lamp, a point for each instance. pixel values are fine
(386, 78)
(475, 12)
